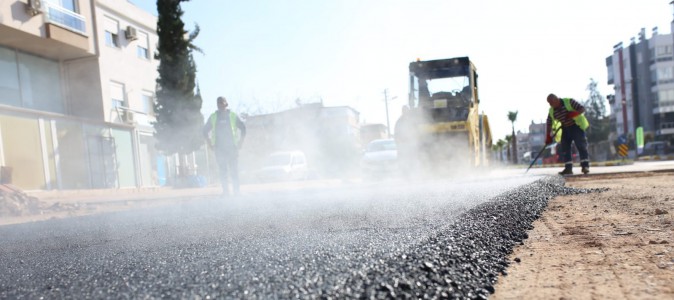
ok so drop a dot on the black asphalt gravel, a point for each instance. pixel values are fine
(431, 240)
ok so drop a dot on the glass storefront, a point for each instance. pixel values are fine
(22, 152)
(73, 164)
(148, 160)
(126, 169)
(57, 153)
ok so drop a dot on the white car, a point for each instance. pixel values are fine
(283, 166)
(380, 159)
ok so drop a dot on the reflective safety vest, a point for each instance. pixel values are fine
(213, 119)
(580, 120)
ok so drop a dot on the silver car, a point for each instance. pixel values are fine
(380, 159)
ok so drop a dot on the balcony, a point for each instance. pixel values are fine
(56, 14)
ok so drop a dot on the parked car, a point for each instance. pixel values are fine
(657, 148)
(284, 166)
(380, 159)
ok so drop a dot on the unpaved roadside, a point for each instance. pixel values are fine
(617, 244)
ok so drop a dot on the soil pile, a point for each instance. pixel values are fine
(15, 203)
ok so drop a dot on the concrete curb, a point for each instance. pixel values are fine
(656, 157)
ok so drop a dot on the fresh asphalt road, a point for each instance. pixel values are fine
(267, 245)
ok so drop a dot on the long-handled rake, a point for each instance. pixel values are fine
(541, 152)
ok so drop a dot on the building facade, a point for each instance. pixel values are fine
(77, 82)
(523, 147)
(642, 75)
(128, 73)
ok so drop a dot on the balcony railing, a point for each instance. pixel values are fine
(54, 13)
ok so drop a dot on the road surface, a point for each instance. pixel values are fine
(386, 239)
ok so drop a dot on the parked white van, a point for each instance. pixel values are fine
(284, 165)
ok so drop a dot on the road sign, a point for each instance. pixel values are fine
(622, 139)
(622, 150)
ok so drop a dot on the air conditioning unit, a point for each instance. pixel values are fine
(131, 33)
(129, 117)
(34, 7)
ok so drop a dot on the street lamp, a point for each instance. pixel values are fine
(388, 123)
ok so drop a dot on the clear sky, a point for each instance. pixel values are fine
(264, 54)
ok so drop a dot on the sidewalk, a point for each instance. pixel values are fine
(169, 193)
(122, 194)
(31, 206)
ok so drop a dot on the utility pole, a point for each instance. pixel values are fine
(388, 123)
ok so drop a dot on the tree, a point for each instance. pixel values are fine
(595, 112)
(512, 116)
(594, 106)
(508, 139)
(499, 147)
(178, 107)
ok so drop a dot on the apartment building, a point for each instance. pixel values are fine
(77, 82)
(643, 78)
(128, 72)
(523, 147)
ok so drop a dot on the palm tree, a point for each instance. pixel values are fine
(512, 116)
(508, 139)
(499, 147)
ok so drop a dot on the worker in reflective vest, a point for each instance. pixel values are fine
(224, 133)
(568, 114)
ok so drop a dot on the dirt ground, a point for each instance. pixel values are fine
(617, 244)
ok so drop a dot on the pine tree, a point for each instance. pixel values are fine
(178, 108)
(595, 112)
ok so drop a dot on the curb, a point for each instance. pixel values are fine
(656, 157)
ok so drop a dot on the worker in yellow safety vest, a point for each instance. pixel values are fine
(224, 133)
(568, 114)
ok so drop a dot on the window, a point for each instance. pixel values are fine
(116, 94)
(666, 95)
(9, 78)
(610, 73)
(665, 50)
(665, 98)
(665, 73)
(30, 81)
(142, 50)
(147, 99)
(40, 83)
(68, 4)
(111, 32)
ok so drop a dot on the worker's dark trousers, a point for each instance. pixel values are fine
(228, 163)
(576, 135)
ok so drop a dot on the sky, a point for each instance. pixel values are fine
(263, 55)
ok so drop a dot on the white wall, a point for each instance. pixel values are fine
(122, 64)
